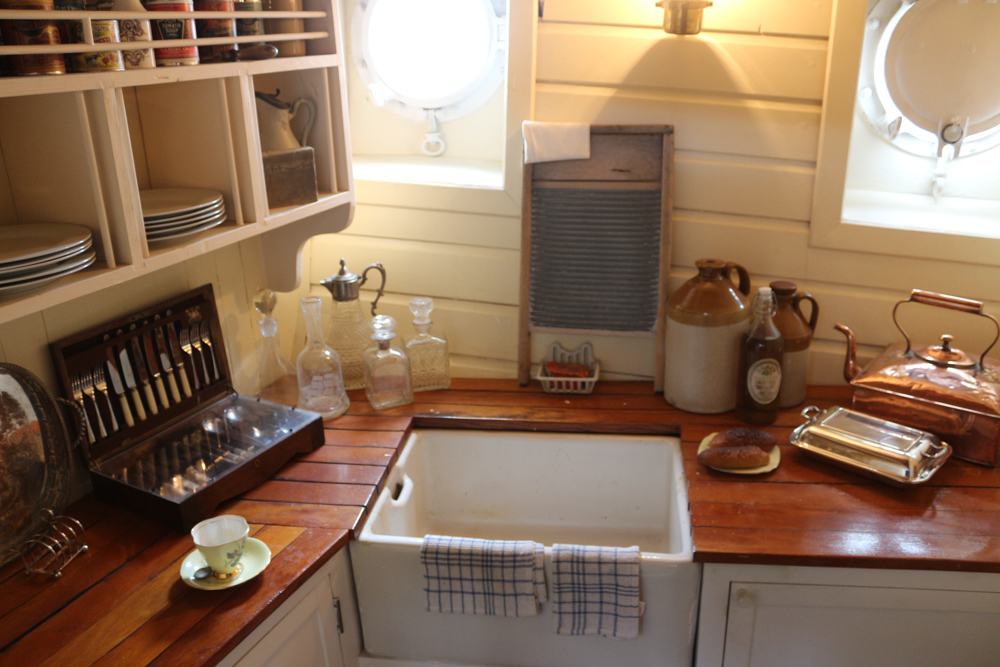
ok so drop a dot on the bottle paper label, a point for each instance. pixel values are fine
(764, 381)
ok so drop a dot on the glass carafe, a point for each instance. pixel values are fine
(278, 377)
(321, 383)
(428, 354)
(347, 329)
(387, 369)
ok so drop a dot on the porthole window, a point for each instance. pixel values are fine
(429, 60)
(928, 75)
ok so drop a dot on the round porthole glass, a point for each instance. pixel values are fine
(432, 60)
(928, 75)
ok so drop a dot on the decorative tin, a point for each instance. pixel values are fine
(32, 32)
(174, 29)
(249, 26)
(105, 32)
(135, 30)
(882, 449)
(68, 6)
(216, 28)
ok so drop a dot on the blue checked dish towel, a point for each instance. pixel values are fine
(595, 590)
(487, 577)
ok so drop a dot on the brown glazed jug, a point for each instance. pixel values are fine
(706, 317)
(797, 332)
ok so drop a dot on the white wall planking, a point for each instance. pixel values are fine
(489, 231)
(790, 17)
(785, 68)
(20, 340)
(742, 186)
(737, 126)
(762, 246)
(429, 269)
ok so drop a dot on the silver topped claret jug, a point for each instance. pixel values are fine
(347, 328)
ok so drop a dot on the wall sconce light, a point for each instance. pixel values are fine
(682, 17)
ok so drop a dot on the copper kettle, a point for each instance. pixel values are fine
(936, 388)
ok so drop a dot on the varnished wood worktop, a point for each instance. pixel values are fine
(123, 602)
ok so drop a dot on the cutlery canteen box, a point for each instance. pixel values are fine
(165, 433)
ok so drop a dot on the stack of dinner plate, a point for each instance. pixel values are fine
(35, 254)
(169, 213)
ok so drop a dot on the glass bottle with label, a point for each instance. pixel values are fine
(321, 385)
(761, 355)
(387, 369)
(428, 354)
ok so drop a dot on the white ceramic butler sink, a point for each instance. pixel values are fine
(605, 490)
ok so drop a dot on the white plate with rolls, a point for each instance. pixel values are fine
(773, 461)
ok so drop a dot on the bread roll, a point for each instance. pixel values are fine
(737, 437)
(734, 458)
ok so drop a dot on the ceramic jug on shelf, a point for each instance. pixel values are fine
(797, 332)
(706, 317)
(274, 120)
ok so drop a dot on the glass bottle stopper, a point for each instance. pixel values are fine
(421, 307)
(383, 328)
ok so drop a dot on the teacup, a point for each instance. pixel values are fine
(221, 541)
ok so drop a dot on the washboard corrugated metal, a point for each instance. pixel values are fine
(595, 240)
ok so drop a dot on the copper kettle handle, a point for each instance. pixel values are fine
(743, 274)
(952, 303)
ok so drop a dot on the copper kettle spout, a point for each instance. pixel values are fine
(851, 369)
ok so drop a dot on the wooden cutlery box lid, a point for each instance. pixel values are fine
(165, 432)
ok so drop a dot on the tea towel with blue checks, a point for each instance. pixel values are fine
(595, 590)
(488, 577)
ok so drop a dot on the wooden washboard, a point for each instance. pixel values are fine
(595, 240)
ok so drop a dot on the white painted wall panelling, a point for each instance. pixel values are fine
(773, 17)
(756, 66)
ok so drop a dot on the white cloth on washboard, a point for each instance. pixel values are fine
(595, 590)
(549, 142)
(488, 577)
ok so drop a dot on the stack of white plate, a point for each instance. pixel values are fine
(169, 213)
(35, 254)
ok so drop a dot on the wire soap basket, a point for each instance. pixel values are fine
(584, 356)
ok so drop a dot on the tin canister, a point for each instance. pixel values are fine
(249, 27)
(105, 32)
(174, 29)
(216, 28)
(71, 6)
(137, 30)
(33, 32)
(289, 48)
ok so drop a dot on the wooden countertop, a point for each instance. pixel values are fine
(122, 601)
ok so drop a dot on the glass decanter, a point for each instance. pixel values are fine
(428, 354)
(321, 385)
(278, 377)
(347, 329)
(387, 369)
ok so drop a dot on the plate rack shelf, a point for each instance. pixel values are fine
(78, 148)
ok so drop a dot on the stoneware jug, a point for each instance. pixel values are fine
(797, 332)
(274, 119)
(706, 316)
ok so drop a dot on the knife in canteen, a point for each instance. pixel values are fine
(147, 341)
(116, 385)
(161, 347)
(175, 349)
(140, 370)
(130, 382)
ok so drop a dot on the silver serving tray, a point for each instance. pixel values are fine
(885, 450)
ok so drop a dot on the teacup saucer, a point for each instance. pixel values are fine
(255, 559)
